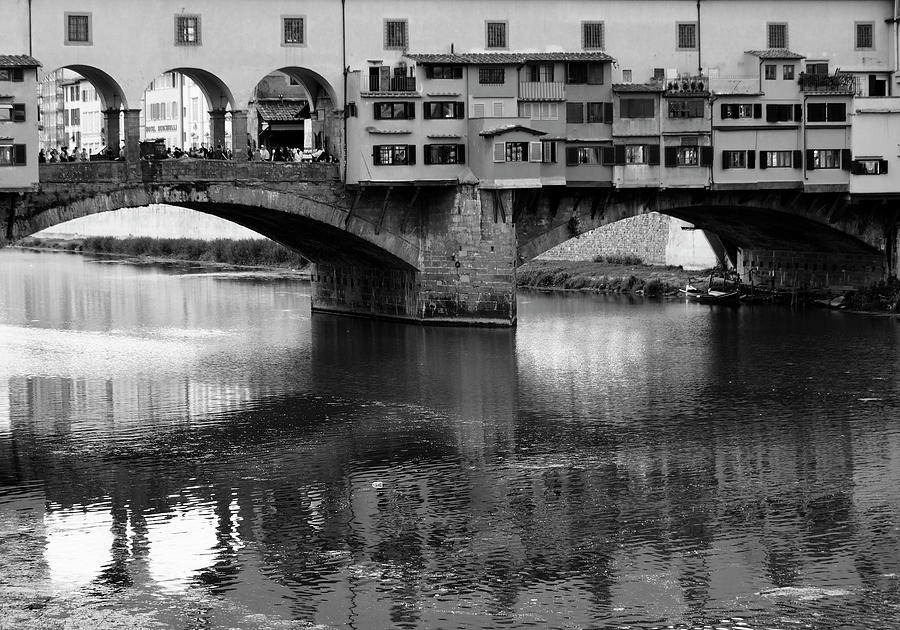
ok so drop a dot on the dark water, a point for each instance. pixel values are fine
(190, 450)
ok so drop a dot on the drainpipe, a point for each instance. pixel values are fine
(346, 70)
(896, 46)
(30, 37)
(699, 64)
(803, 133)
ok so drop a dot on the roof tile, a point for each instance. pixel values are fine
(19, 61)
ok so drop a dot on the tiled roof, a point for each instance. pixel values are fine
(637, 87)
(282, 111)
(506, 57)
(496, 131)
(775, 53)
(19, 61)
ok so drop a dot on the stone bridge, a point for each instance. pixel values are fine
(440, 254)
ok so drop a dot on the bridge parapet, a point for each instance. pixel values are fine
(189, 170)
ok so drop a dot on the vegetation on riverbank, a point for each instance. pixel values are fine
(239, 252)
(882, 296)
(606, 275)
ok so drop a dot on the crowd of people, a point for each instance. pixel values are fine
(258, 154)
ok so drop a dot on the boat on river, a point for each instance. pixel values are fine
(711, 296)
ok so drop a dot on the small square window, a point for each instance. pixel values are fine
(865, 35)
(777, 35)
(686, 36)
(788, 72)
(771, 71)
(78, 29)
(396, 36)
(592, 35)
(495, 35)
(293, 30)
(187, 30)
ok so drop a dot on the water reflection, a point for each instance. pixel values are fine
(606, 463)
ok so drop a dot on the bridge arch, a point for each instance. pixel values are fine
(110, 92)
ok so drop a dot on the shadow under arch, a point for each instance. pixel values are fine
(316, 86)
(217, 93)
(108, 89)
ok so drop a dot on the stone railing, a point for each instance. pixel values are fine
(188, 170)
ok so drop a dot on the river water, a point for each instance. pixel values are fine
(185, 449)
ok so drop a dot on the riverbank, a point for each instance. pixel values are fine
(604, 276)
(227, 253)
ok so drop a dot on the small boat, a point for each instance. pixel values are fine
(711, 296)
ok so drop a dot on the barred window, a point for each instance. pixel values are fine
(78, 28)
(395, 34)
(686, 108)
(592, 35)
(777, 35)
(187, 30)
(496, 34)
(686, 35)
(865, 35)
(292, 30)
(491, 76)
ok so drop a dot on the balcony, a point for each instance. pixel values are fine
(400, 83)
(686, 86)
(541, 91)
(839, 82)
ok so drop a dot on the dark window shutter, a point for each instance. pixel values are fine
(798, 113)
(459, 110)
(724, 111)
(457, 72)
(706, 156)
(460, 154)
(410, 154)
(376, 156)
(855, 168)
(751, 159)
(671, 155)
(836, 112)
(607, 112)
(883, 167)
(385, 79)
(846, 159)
(810, 160)
(18, 75)
(377, 111)
(771, 113)
(763, 159)
(571, 156)
(653, 154)
(607, 156)
(18, 112)
(724, 158)
(757, 110)
(426, 111)
(798, 159)
(426, 154)
(429, 72)
(411, 111)
(20, 156)
(619, 154)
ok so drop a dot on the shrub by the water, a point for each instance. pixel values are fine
(245, 252)
(616, 259)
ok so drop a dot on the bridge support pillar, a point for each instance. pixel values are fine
(239, 137)
(132, 135)
(113, 130)
(217, 128)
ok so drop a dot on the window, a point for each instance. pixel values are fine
(187, 30)
(510, 151)
(687, 156)
(443, 72)
(823, 158)
(539, 111)
(395, 111)
(686, 36)
(584, 72)
(818, 68)
(78, 29)
(777, 35)
(636, 154)
(16, 75)
(787, 72)
(395, 35)
(869, 167)
(76, 118)
(445, 109)
(637, 108)
(826, 112)
(539, 72)
(445, 154)
(771, 71)
(599, 112)
(592, 35)
(497, 109)
(574, 113)
(12, 154)
(741, 110)
(491, 76)
(865, 38)
(292, 30)
(588, 155)
(495, 34)
(686, 108)
(776, 159)
(626, 76)
(548, 152)
(737, 159)
(783, 113)
(394, 154)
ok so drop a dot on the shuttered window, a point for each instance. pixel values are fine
(637, 108)
(12, 154)
(395, 110)
(574, 113)
(444, 154)
(686, 107)
(394, 154)
(445, 109)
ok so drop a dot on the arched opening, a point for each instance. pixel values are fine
(186, 110)
(296, 108)
(80, 109)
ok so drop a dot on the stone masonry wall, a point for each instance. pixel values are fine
(643, 236)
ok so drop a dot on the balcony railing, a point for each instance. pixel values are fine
(837, 82)
(392, 84)
(538, 91)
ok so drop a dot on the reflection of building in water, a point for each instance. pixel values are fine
(78, 544)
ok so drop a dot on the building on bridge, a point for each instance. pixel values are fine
(18, 123)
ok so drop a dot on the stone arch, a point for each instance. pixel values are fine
(217, 93)
(316, 223)
(785, 220)
(111, 94)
